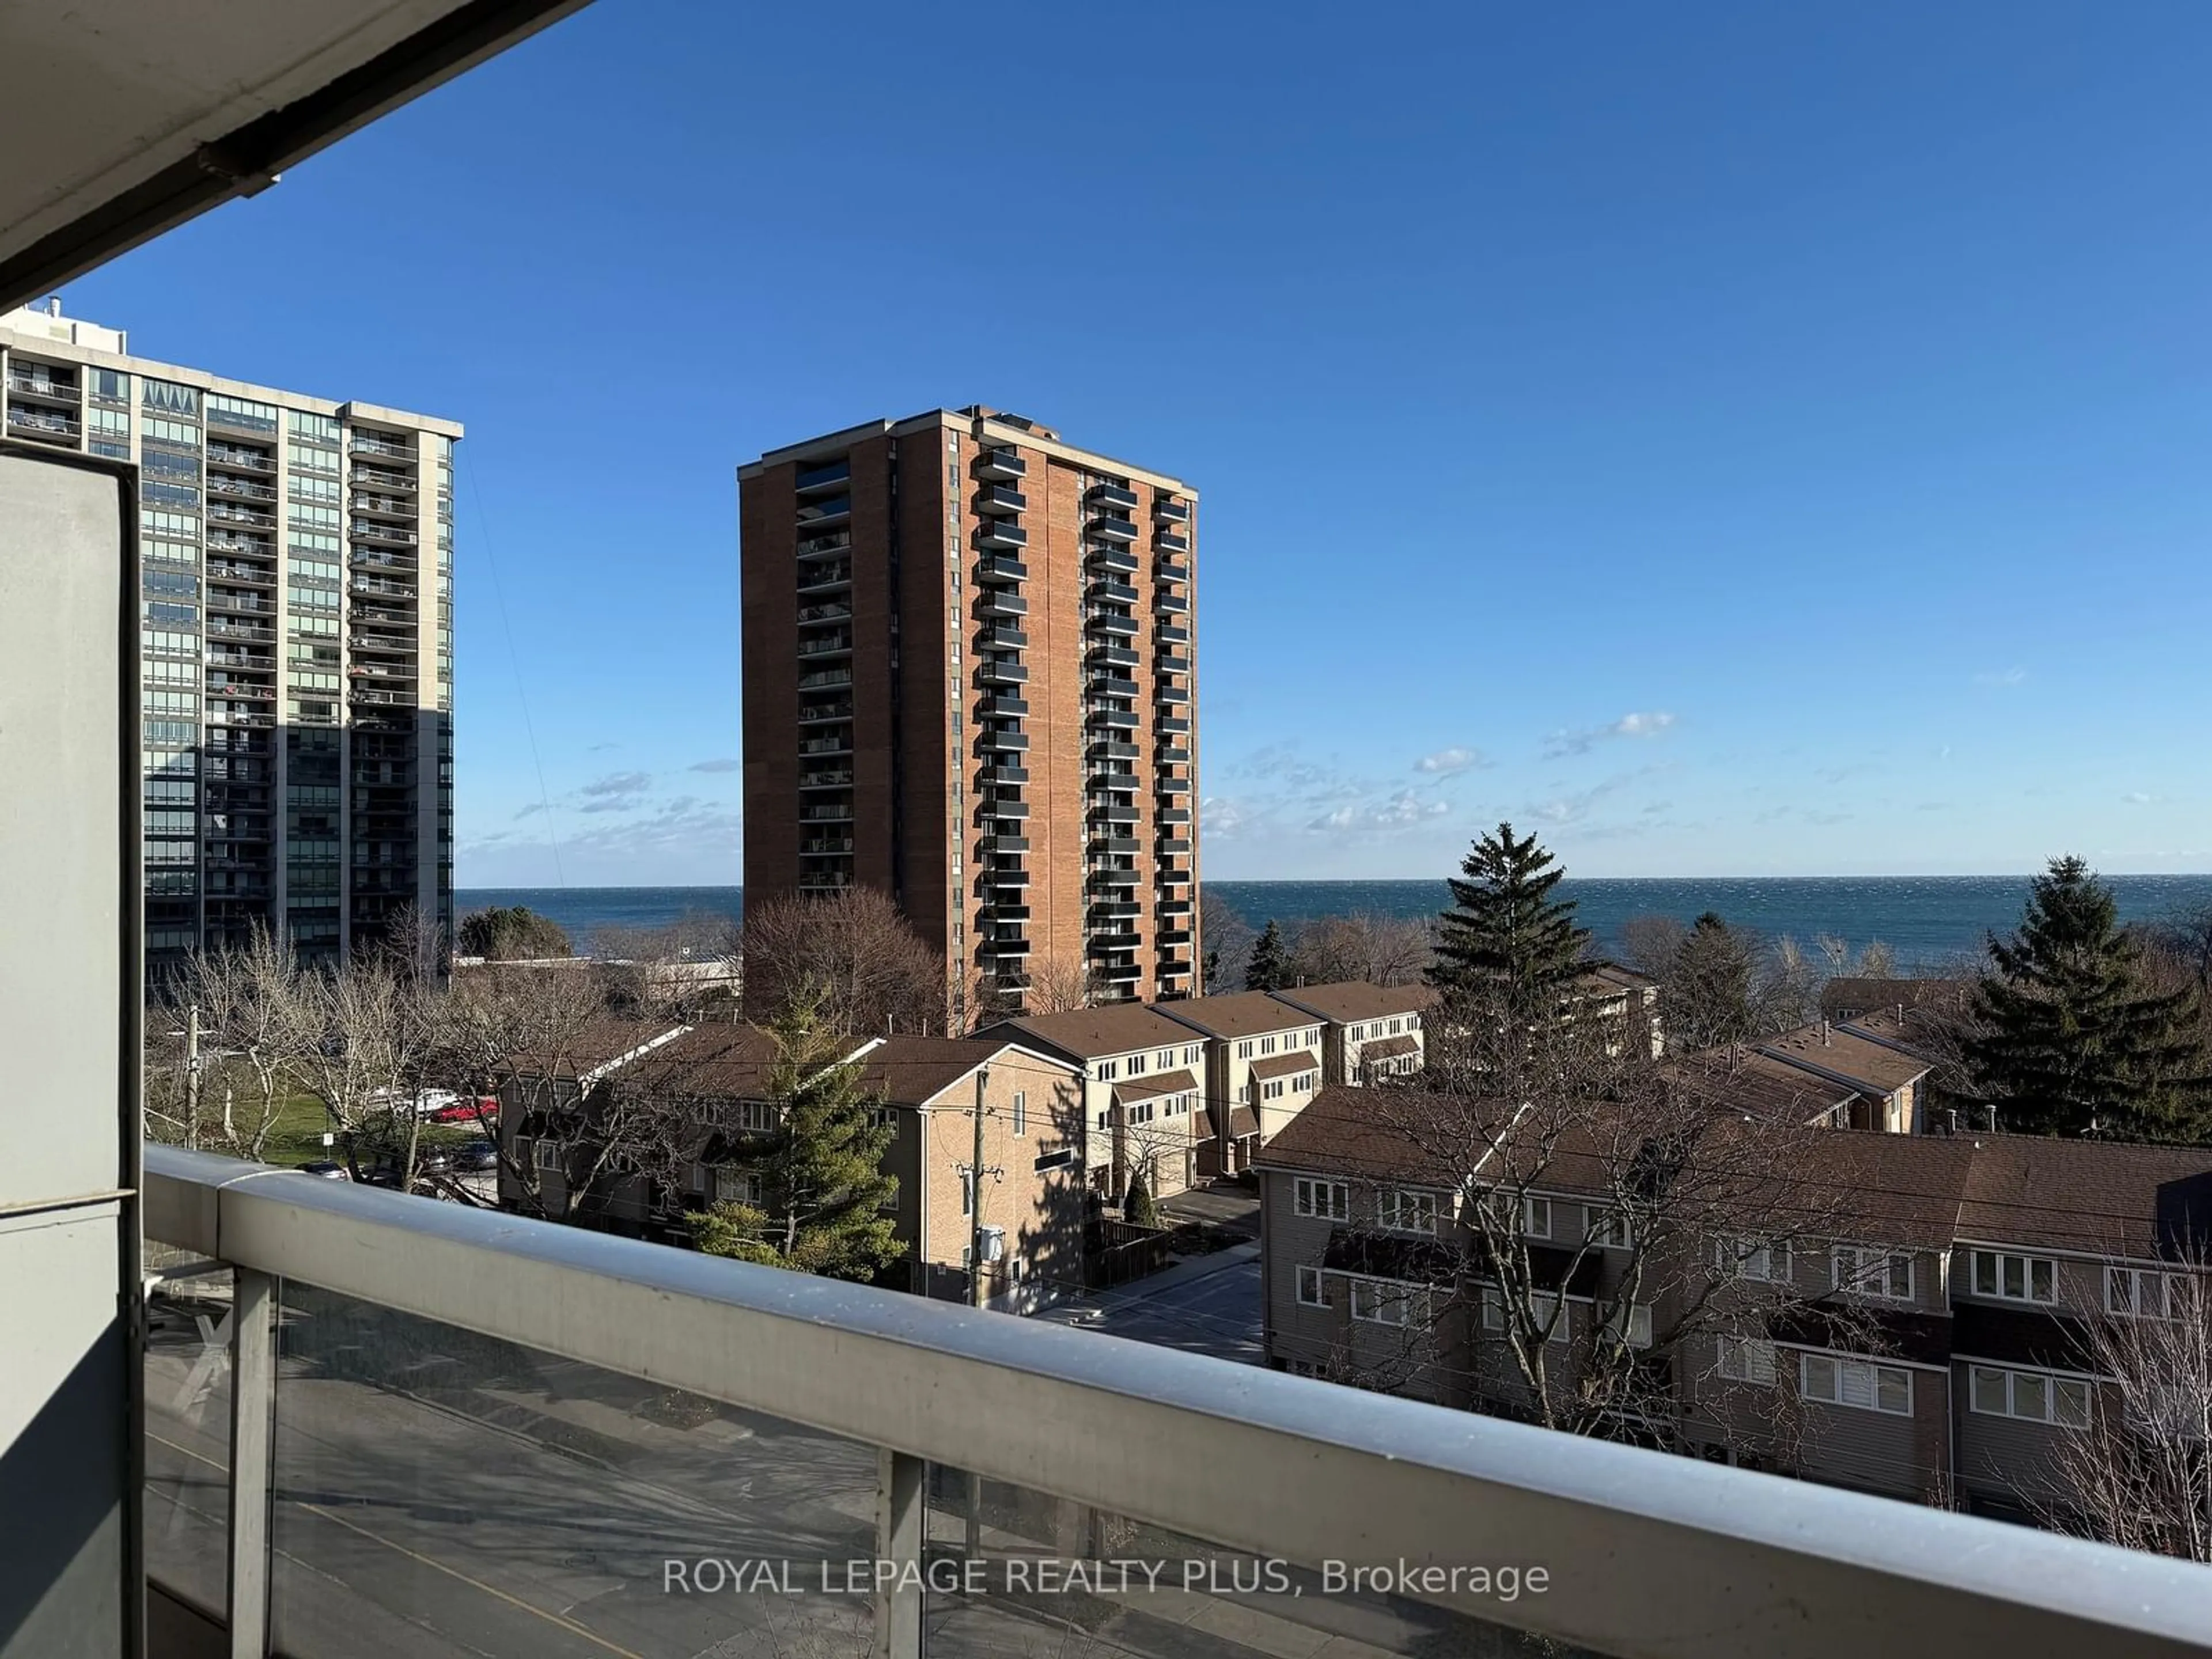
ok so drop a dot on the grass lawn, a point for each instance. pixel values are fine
(297, 1137)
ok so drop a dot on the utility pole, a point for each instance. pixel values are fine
(975, 1198)
(192, 1076)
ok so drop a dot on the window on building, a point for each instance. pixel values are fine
(1404, 1210)
(1329, 1200)
(1057, 1159)
(1271, 1089)
(1108, 1070)
(966, 1192)
(1310, 1290)
(2139, 1292)
(2035, 1396)
(1858, 1383)
(1766, 1261)
(1631, 1322)
(1536, 1217)
(1607, 1228)
(1864, 1270)
(545, 1156)
(1244, 1050)
(735, 1186)
(1379, 1302)
(1021, 1112)
(1747, 1359)
(1137, 1063)
(2012, 1277)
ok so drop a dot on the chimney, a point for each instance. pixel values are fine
(1823, 1030)
(1950, 1120)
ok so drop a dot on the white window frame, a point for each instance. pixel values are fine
(1325, 1200)
(1998, 1261)
(2130, 1303)
(1533, 1205)
(1409, 1210)
(1747, 1359)
(1738, 1257)
(1309, 1279)
(2039, 1403)
(736, 1186)
(1386, 1301)
(1608, 1228)
(1632, 1320)
(1843, 1373)
(545, 1156)
(1870, 1270)
(1021, 1112)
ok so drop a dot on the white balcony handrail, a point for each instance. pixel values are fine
(1650, 1554)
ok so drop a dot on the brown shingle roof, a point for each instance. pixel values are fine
(1844, 997)
(1389, 1048)
(1886, 1188)
(1286, 1065)
(1093, 1033)
(1871, 1066)
(598, 1043)
(1350, 1000)
(2100, 1197)
(913, 1071)
(1239, 1013)
(1150, 1088)
(1767, 1089)
(725, 1061)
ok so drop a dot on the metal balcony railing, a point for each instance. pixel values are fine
(403, 1380)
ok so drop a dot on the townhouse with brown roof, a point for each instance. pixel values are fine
(1847, 998)
(1263, 1063)
(1141, 1085)
(1368, 1032)
(1921, 1329)
(665, 1127)
(1840, 1077)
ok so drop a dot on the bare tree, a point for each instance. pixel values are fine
(254, 1020)
(1380, 950)
(1699, 1227)
(1060, 980)
(373, 1027)
(853, 950)
(1229, 940)
(2138, 1468)
(687, 968)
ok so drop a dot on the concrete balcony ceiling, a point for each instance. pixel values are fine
(125, 118)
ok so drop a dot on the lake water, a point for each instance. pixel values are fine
(1926, 919)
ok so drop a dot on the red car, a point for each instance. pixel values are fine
(486, 1108)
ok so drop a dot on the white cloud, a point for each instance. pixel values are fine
(2001, 677)
(720, 763)
(1562, 744)
(1447, 762)
(2141, 798)
(1399, 812)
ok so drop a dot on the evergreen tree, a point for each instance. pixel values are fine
(821, 1187)
(2073, 1041)
(1138, 1207)
(1705, 997)
(512, 933)
(1267, 970)
(1507, 950)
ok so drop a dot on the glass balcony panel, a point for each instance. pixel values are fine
(429, 1479)
(187, 1372)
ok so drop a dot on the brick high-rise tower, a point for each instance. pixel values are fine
(968, 681)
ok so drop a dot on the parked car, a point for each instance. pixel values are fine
(434, 1160)
(325, 1169)
(484, 1109)
(478, 1156)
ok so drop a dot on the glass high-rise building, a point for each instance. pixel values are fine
(296, 634)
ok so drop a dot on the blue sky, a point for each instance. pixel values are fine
(1730, 439)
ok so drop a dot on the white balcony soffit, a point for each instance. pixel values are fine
(120, 118)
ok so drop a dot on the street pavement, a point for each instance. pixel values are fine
(1206, 1304)
(491, 1502)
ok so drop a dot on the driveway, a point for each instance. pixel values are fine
(1207, 1304)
